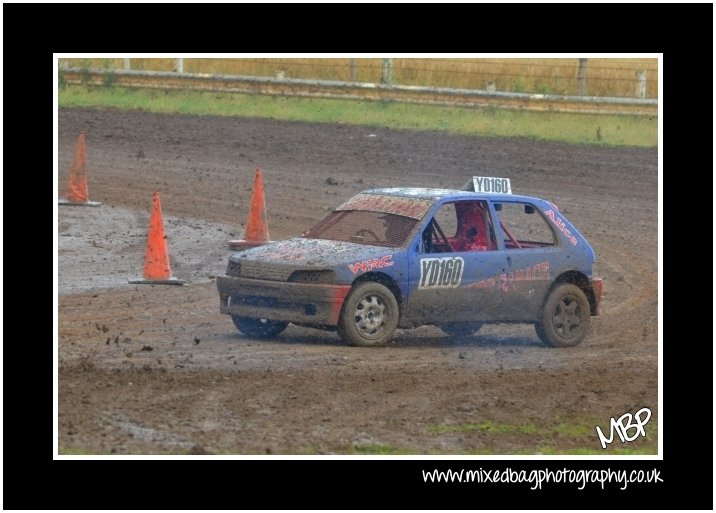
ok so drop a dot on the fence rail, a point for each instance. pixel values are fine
(613, 77)
(359, 91)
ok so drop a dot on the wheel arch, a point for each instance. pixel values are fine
(580, 280)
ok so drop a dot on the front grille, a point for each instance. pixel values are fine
(264, 271)
(322, 276)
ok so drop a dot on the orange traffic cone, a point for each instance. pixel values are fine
(156, 260)
(256, 226)
(77, 194)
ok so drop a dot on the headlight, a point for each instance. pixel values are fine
(313, 277)
(234, 268)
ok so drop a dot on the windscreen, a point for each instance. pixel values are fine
(364, 227)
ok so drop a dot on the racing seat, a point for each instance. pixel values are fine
(472, 230)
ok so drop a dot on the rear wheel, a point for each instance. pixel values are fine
(369, 316)
(258, 328)
(564, 321)
(461, 329)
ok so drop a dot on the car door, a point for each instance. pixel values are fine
(452, 277)
(531, 247)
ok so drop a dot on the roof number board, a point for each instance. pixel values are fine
(491, 185)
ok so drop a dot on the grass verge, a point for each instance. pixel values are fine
(486, 122)
(381, 449)
(73, 451)
(576, 437)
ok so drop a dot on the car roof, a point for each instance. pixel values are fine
(437, 194)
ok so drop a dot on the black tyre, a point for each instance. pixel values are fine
(461, 329)
(369, 316)
(258, 328)
(565, 317)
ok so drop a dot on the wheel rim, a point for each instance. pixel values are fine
(370, 316)
(567, 318)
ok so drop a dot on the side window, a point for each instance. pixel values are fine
(446, 219)
(460, 226)
(440, 230)
(523, 226)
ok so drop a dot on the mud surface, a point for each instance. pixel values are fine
(156, 370)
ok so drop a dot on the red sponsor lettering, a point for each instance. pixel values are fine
(503, 283)
(506, 281)
(372, 263)
(559, 223)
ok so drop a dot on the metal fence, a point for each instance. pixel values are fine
(500, 84)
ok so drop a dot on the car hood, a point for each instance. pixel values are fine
(312, 253)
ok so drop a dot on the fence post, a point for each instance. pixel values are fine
(582, 77)
(352, 64)
(386, 72)
(641, 84)
(127, 64)
(180, 65)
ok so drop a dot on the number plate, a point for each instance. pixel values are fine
(491, 185)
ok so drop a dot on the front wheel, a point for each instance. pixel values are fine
(369, 316)
(258, 328)
(564, 320)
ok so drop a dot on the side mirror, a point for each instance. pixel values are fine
(529, 209)
(498, 206)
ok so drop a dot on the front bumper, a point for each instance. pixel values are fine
(304, 303)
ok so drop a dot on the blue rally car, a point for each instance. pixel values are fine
(405, 257)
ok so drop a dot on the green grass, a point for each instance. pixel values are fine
(578, 438)
(563, 438)
(73, 451)
(485, 427)
(487, 122)
(382, 449)
(388, 450)
(591, 451)
(529, 428)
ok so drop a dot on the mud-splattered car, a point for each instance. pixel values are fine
(405, 257)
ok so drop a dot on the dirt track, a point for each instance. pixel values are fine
(154, 370)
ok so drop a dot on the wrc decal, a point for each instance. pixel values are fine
(373, 263)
